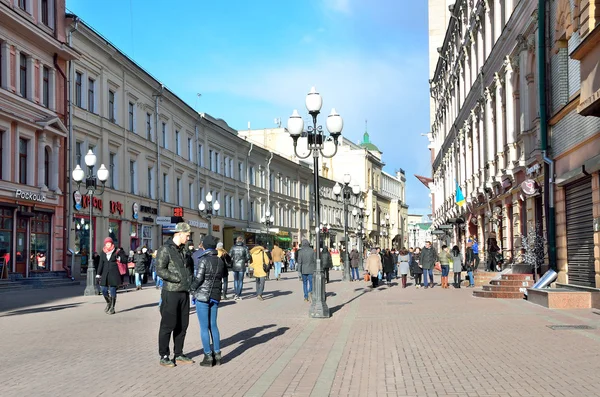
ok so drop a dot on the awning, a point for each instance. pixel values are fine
(571, 176)
(592, 165)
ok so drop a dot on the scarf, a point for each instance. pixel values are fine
(108, 250)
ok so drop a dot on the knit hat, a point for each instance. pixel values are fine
(219, 245)
(108, 240)
(209, 242)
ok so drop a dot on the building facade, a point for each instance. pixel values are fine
(485, 135)
(164, 158)
(574, 111)
(419, 230)
(33, 106)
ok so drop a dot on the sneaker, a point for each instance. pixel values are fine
(167, 362)
(260, 298)
(183, 359)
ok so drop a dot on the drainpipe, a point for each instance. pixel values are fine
(548, 162)
(158, 165)
(269, 179)
(68, 156)
(248, 183)
(198, 187)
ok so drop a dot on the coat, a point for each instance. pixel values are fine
(240, 256)
(175, 267)
(326, 261)
(416, 261)
(277, 254)
(109, 271)
(140, 262)
(208, 282)
(373, 265)
(445, 258)
(388, 263)
(307, 261)
(456, 262)
(428, 258)
(354, 259)
(404, 262)
(259, 257)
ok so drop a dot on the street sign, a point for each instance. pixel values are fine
(163, 220)
(438, 232)
(446, 227)
(274, 230)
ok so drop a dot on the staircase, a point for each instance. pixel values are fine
(37, 280)
(507, 286)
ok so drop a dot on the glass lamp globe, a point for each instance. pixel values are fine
(335, 123)
(337, 189)
(272, 219)
(361, 204)
(201, 206)
(209, 197)
(103, 173)
(90, 158)
(347, 179)
(354, 212)
(295, 124)
(356, 190)
(78, 174)
(314, 102)
(216, 206)
(262, 219)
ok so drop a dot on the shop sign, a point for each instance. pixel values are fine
(216, 228)
(529, 187)
(77, 200)
(178, 211)
(198, 224)
(30, 196)
(533, 169)
(148, 219)
(116, 206)
(147, 210)
(253, 230)
(163, 220)
(134, 210)
(82, 202)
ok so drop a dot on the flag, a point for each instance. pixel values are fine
(460, 198)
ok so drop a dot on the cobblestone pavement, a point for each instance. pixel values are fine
(388, 342)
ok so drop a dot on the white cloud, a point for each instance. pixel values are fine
(338, 5)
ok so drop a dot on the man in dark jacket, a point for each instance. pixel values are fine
(429, 257)
(174, 266)
(307, 264)
(326, 262)
(139, 258)
(240, 257)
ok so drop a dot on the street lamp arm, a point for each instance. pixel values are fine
(296, 150)
(328, 156)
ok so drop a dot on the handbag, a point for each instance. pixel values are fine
(266, 267)
(367, 277)
(379, 275)
(438, 267)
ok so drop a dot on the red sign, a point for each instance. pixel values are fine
(115, 206)
(96, 202)
(178, 211)
(216, 228)
(529, 187)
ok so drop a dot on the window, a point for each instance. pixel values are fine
(225, 169)
(165, 188)
(217, 165)
(190, 149)
(272, 182)
(210, 160)
(252, 211)
(91, 94)
(179, 191)
(78, 79)
(164, 135)
(226, 206)
(231, 207)
(46, 167)
(23, 5)
(150, 185)
(252, 176)
(23, 75)
(149, 127)
(111, 105)
(23, 143)
(231, 168)
(241, 206)
(112, 168)
(131, 117)
(191, 194)
(45, 9)
(46, 87)
(200, 156)
(177, 142)
(132, 176)
(78, 153)
(241, 171)
(2, 153)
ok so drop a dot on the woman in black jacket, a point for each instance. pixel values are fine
(206, 289)
(388, 266)
(139, 258)
(108, 273)
(326, 262)
(417, 270)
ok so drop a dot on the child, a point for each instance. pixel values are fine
(416, 267)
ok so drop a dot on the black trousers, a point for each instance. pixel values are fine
(175, 317)
(326, 275)
(457, 280)
(225, 283)
(418, 277)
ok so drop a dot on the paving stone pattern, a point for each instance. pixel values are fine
(388, 342)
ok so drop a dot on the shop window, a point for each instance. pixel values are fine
(147, 236)
(6, 229)
(114, 232)
(40, 253)
(82, 241)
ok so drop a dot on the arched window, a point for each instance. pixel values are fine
(46, 167)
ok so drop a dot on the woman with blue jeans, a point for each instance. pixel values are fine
(445, 260)
(206, 290)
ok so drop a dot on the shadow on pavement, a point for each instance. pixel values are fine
(43, 309)
(153, 304)
(240, 336)
(252, 342)
(274, 294)
(33, 297)
(334, 309)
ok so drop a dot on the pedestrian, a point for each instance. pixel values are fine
(260, 265)
(354, 259)
(395, 260)
(416, 267)
(411, 251)
(470, 263)
(175, 267)
(456, 265)
(493, 253)
(388, 266)
(206, 290)
(292, 254)
(197, 254)
(476, 254)
(307, 264)
(374, 267)
(240, 257)
(277, 255)
(139, 258)
(108, 273)
(227, 261)
(404, 265)
(445, 259)
(429, 258)
(326, 262)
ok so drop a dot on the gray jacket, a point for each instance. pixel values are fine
(307, 260)
(240, 256)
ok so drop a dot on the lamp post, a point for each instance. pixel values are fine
(325, 231)
(267, 220)
(91, 185)
(207, 210)
(361, 214)
(413, 229)
(316, 139)
(347, 192)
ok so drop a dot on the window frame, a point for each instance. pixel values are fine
(111, 106)
(23, 166)
(45, 86)
(91, 97)
(23, 75)
(131, 116)
(132, 176)
(78, 89)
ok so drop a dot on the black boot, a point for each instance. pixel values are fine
(113, 300)
(217, 358)
(458, 283)
(107, 299)
(207, 361)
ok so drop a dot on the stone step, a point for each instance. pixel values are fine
(504, 288)
(43, 280)
(517, 277)
(498, 295)
(520, 283)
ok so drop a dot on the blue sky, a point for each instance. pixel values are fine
(254, 61)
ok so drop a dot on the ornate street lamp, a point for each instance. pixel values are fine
(316, 139)
(207, 210)
(347, 193)
(361, 214)
(267, 220)
(92, 189)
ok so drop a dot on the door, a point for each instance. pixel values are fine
(580, 233)
(22, 252)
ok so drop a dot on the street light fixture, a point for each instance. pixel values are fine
(347, 193)
(91, 185)
(361, 214)
(207, 209)
(316, 139)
